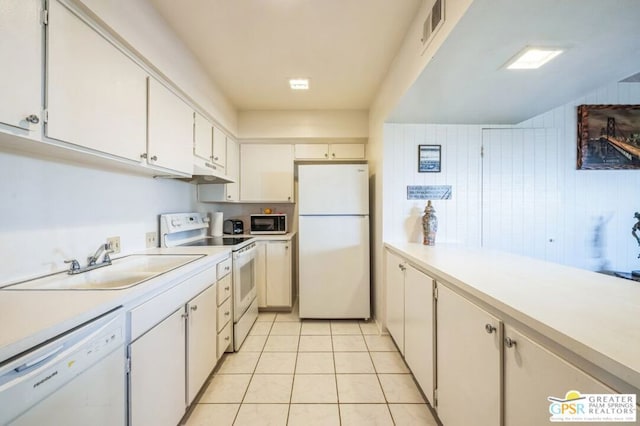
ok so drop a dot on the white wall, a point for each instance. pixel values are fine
(339, 124)
(537, 203)
(52, 211)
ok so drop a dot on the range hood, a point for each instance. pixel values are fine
(206, 172)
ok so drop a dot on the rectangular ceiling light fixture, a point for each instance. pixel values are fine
(299, 83)
(532, 58)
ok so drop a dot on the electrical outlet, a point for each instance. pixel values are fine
(151, 239)
(114, 243)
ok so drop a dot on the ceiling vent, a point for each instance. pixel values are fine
(432, 24)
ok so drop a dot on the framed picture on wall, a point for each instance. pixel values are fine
(608, 137)
(429, 158)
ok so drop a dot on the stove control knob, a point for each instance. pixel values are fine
(175, 222)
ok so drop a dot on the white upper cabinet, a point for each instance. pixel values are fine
(21, 53)
(219, 147)
(334, 151)
(232, 190)
(96, 95)
(170, 143)
(266, 172)
(203, 137)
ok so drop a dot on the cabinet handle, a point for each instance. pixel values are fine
(228, 196)
(226, 338)
(33, 119)
(326, 155)
(185, 316)
(215, 158)
(509, 342)
(226, 268)
(402, 267)
(227, 288)
(226, 314)
(194, 308)
(143, 155)
(289, 198)
(489, 328)
(333, 154)
(154, 158)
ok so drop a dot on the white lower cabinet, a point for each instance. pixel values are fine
(469, 346)
(201, 340)
(419, 320)
(532, 374)
(157, 378)
(273, 274)
(394, 278)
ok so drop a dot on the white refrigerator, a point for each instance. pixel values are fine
(333, 235)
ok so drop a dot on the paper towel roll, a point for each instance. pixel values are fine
(216, 226)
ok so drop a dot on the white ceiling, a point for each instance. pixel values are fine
(466, 83)
(251, 48)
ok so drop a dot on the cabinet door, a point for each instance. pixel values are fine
(532, 374)
(219, 147)
(170, 130)
(279, 273)
(21, 50)
(311, 151)
(157, 377)
(261, 273)
(394, 278)
(266, 172)
(202, 339)
(233, 170)
(347, 151)
(203, 137)
(468, 359)
(419, 325)
(96, 96)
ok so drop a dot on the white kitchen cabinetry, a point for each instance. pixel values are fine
(469, 345)
(170, 143)
(21, 50)
(266, 172)
(96, 95)
(419, 322)
(201, 340)
(274, 274)
(202, 137)
(219, 152)
(345, 151)
(532, 374)
(394, 278)
(224, 300)
(279, 273)
(157, 378)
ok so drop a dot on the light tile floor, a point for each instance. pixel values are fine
(312, 372)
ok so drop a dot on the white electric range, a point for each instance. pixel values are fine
(191, 229)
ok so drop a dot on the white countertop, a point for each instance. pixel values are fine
(593, 315)
(29, 317)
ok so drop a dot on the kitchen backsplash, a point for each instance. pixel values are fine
(243, 211)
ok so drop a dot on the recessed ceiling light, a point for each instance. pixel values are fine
(299, 83)
(532, 58)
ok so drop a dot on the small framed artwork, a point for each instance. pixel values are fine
(429, 158)
(608, 137)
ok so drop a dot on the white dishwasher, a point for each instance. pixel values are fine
(77, 378)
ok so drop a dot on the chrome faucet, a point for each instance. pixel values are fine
(91, 260)
(106, 248)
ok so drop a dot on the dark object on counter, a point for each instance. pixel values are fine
(233, 226)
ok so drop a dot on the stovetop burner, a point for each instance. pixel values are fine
(218, 241)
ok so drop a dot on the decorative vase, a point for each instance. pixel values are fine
(429, 225)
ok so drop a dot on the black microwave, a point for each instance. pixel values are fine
(268, 224)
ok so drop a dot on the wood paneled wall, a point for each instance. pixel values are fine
(525, 195)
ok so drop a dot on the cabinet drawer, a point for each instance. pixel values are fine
(224, 339)
(224, 289)
(224, 314)
(224, 268)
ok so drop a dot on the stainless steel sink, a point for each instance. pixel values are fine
(122, 273)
